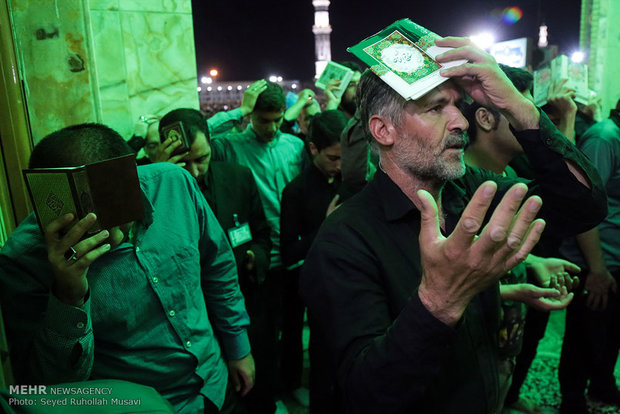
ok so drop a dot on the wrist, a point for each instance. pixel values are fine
(245, 110)
(523, 115)
(448, 312)
(72, 296)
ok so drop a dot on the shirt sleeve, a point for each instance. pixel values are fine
(261, 232)
(603, 155)
(51, 342)
(224, 121)
(220, 284)
(569, 207)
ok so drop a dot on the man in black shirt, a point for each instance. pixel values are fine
(306, 201)
(403, 278)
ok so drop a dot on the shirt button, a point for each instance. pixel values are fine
(188, 344)
(172, 313)
(155, 280)
(80, 325)
(548, 141)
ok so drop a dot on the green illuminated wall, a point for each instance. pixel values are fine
(600, 37)
(106, 61)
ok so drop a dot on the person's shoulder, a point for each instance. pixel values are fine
(605, 130)
(164, 175)
(25, 241)
(292, 140)
(296, 185)
(231, 169)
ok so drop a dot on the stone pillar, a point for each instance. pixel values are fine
(106, 61)
(600, 38)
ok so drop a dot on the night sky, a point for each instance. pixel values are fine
(249, 40)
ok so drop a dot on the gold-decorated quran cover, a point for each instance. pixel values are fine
(176, 131)
(109, 188)
(403, 56)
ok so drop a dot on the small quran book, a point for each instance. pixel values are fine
(109, 188)
(542, 82)
(560, 68)
(333, 71)
(403, 56)
(176, 131)
(576, 75)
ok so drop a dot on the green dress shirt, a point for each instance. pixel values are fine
(146, 319)
(273, 164)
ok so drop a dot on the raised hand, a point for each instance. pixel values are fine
(251, 95)
(486, 83)
(333, 101)
(70, 257)
(457, 267)
(165, 151)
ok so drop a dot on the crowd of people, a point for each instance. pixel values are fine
(426, 239)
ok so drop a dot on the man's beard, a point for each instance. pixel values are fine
(437, 168)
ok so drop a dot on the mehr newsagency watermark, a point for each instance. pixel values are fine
(59, 396)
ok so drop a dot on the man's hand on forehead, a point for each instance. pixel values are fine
(483, 80)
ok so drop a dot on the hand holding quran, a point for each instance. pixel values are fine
(413, 61)
(483, 80)
(70, 283)
(83, 211)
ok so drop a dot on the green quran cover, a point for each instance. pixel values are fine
(403, 56)
(336, 71)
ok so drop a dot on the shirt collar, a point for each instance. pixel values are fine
(250, 133)
(397, 205)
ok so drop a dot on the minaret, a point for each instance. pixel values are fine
(321, 30)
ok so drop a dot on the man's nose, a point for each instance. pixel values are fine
(458, 120)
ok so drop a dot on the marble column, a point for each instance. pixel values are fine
(600, 38)
(106, 61)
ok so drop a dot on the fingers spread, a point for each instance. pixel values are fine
(496, 231)
(532, 237)
(429, 226)
(473, 216)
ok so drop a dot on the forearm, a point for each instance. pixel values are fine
(521, 113)
(293, 112)
(589, 244)
(62, 348)
(573, 196)
(397, 368)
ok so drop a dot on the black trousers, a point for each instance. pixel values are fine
(293, 310)
(590, 348)
(535, 326)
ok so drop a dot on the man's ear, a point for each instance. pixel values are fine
(485, 119)
(313, 149)
(382, 130)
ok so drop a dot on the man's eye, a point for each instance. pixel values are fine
(436, 108)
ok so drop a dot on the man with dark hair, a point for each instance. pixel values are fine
(403, 277)
(306, 201)
(127, 303)
(232, 194)
(275, 159)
